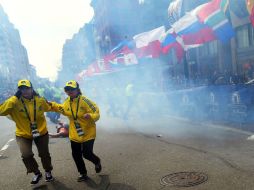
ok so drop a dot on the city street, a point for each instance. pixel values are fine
(167, 88)
(138, 155)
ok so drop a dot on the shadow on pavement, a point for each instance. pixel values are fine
(119, 186)
(53, 185)
(3, 157)
(105, 184)
(40, 187)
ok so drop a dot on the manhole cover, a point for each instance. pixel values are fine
(184, 179)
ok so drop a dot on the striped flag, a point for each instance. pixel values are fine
(192, 30)
(239, 14)
(143, 39)
(212, 14)
(250, 4)
(250, 7)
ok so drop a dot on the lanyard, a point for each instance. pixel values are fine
(27, 114)
(75, 118)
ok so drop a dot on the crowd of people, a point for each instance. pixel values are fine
(179, 82)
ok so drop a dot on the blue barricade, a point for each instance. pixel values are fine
(228, 103)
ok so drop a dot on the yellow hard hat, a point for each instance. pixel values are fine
(24, 82)
(72, 84)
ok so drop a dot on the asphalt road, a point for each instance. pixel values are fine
(144, 154)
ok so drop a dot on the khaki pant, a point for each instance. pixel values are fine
(25, 146)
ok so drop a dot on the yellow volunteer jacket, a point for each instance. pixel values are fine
(88, 125)
(14, 107)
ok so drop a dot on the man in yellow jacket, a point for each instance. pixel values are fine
(82, 113)
(26, 109)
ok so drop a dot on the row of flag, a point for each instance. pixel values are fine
(250, 8)
(205, 23)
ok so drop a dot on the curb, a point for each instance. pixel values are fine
(217, 126)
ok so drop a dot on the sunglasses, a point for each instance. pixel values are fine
(69, 89)
(22, 88)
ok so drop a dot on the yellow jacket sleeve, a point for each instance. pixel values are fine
(7, 106)
(93, 109)
(57, 108)
(46, 105)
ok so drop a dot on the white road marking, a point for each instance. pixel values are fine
(5, 146)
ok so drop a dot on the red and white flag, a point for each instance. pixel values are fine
(143, 39)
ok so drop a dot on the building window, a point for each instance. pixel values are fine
(251, 29)
(210, 48)
(203, 50)
(213, 48)
(242, 37)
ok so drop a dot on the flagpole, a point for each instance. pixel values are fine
(185, 66)
(185, 63)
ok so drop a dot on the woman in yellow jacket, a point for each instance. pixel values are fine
(82, 113)
(26, 109)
